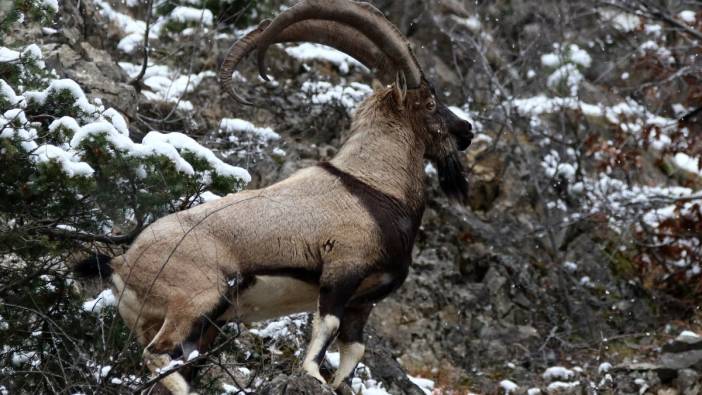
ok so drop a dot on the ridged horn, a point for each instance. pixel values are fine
(362, 16)
(377, 47)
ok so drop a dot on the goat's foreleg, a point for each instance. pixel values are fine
(324, 329)
(350, 340)
(333, 297)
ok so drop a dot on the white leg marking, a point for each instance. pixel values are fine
(322, 331)
(351, 354)
(174, 382)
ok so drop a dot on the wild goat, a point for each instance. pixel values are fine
(336, 237)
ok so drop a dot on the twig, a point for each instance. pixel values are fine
(83, 236)
(136, 82)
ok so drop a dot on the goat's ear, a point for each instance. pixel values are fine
(399, 89)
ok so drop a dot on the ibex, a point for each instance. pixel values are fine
(334, 238)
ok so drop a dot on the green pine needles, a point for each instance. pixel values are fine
(72, 180)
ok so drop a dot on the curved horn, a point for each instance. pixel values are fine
(344, 38)
(355, 14)
(237, 52)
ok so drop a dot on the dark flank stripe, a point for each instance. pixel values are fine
(398, 223)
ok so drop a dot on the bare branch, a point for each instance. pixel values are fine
(136, 82)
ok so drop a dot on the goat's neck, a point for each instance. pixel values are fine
(385, 158)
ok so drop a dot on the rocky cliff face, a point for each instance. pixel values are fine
(558, 260)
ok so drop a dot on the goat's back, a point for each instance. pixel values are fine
(297, 224)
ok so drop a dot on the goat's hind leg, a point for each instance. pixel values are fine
(180, 321)
(201, 339)
(158, 355)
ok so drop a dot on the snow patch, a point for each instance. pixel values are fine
(59, 86)
(133, 29)
(688, 336)
(33, 52)
(629, 115)
(158, 140)
(208, 196)
(570, 266)
(426, 385)
(569, 75)
(167, 85)
(509, 386)
(51, 4)
(310, 51)
(472, 22)
(104, 299)
(194, 354)
(579, 56)
(550, 60)
(189, 14)
(688, 16)
(563, 54)
(231, 125)
(8, 94)
(687, 163)
(8, 55)
(622, 21)
(171, 365)
(65, 122)
(70, 162)
(231, 389)
(430, 170)
(21, 357)
(662, 53)
(322, 92)
(558, 372)
(280, 327)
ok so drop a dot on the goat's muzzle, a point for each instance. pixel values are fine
(458, 127)
(461, 130)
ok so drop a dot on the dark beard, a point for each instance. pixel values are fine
(451, 178)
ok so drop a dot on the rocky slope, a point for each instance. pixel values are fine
(545, 267)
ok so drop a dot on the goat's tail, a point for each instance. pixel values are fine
(96, 265)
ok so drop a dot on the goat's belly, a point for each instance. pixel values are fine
(271, 297)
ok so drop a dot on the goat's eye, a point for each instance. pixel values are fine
(431, 105)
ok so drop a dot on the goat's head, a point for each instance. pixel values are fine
(363, 32)
(444, 135)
